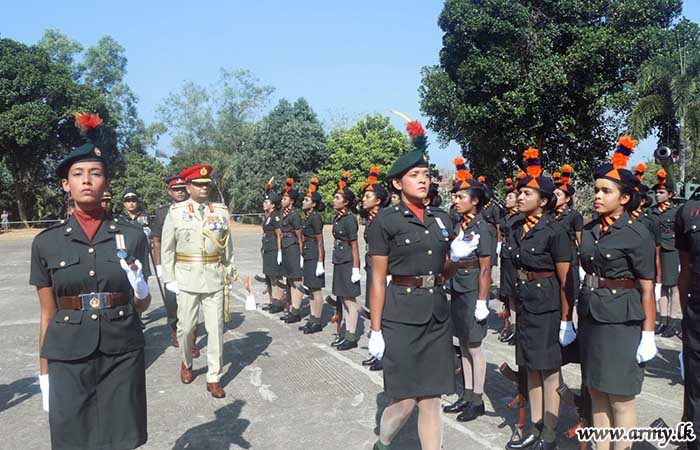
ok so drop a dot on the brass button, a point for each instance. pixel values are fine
(66, 319)
(112, 227)
(693, 227)
(430, 272)
(408, 289)
(533, 249)
(69, 229)
(93, 317)
(614, 291)
(91, 273)
(591, 258)
(408, 241)
(595, 242)
(62, 263)
(427, 232)
(430, 290)
(629, 221)
(539, 285)
(608, 256)
(430, 252)
(517, 256)
(91, 250)
(396, 208)
(121, 313)
(510, 248)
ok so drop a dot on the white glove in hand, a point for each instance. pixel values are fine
(657, 291)
(319, 269)
(498, 249)
(482, 311)
(138, 284)
(460, 249)
(567, 335)
(279, 258)
(355, 277)
(44, 385)
(147, 231)
(376, 344)
(581, 274)
(301, 262)
(172, 287)
(647, 347)
(159, 271)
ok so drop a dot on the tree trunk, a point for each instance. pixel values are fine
(682, 150)
(21, 202)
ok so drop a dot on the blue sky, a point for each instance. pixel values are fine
(346, 58)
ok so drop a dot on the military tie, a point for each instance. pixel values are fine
(663, 206)
(530, 222)
(605, 222)
(466, 220)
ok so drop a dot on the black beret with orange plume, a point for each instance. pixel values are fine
(616, 170)
(663, 181)
(289, 190)
(312, 191)
(344, 188)
(533, 178)
(465, 180)
(510, 186)
(270, 194)
(373, 184)
(567, 172)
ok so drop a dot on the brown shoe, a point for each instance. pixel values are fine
(173, 340)
(186, 375)
(216, 390)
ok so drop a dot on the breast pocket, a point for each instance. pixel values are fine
(63, 269)
(310, 250)
(614, 263)
(186, 234)
(342, 252)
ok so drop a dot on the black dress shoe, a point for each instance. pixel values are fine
(527, 442)
(293, 318)
(276, 308)
(661, 329)
(337, 341)
(508, 337)
(456, 407)
(314, 328)
(471, 412)
(284, 316)
(670, 331)
(369, 361)
(266, 306)
(541, 445)
(376, 365)
(331, 301)
(260, 278)
(346, 345)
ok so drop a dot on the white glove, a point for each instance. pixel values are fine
(355, 277)
(44, 385)
(498, 249)
(172, 287)
(647, 347)
(301, 262)
(581, 274)
(135, 277)
(567, 335)
(279, 258)
(482, 311)
(460, 249)
(147, 231)
(159, 271)
(657, 291)
(388, 279)
(376, 344)
(319, 269)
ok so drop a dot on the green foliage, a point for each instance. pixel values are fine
(145, 174)
(372, 141)
(555, 74)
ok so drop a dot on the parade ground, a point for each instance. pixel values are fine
(285, 390)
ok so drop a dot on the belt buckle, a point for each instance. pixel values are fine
(93, 300)
(522, 275)
(427, 281)
(593, 282)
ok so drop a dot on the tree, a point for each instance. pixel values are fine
(62, 50)
(554, 74)
(37, 97)
(288, 142)
(145, 174)
(668, 91)
(372, 141)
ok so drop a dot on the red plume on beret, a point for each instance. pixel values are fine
(415, 129)
(462, 172)
(288, 187)
(268, 186)
(481, 179)
(532, 159)
(87, 121)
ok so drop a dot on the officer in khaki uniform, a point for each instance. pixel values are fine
(197, 259)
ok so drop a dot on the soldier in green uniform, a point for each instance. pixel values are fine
(314, 255)
(177, 192)
(541, 253)
(410, 315)
(616, 308)
(375, 197)
(470, 289)
(688, 245)
(667, 260)
(346, 262)
(272, 248)
(90, 280)
(107, 202)
(133, 213)
(197, 259)
(507, 289)
(292, 243)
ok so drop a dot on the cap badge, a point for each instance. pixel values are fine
(98, 152)
(203, 171)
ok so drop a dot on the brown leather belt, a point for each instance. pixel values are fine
(471, 264)
(94, 300)
(529, 276)
(618, 283)
(270, 234)
(309, 238)
(284, 235)
(200, 259)
(420, 281)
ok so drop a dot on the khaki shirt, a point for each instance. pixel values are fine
(191, 230)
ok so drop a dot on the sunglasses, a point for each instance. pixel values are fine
(200, 184)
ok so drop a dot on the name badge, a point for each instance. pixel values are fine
(443, 229)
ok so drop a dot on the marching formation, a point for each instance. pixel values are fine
(572, 293)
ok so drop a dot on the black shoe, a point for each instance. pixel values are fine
(527, 442)
(346, 345)
(292, 318)
(260, 278)
(504, 332)
(266, 306)
(276, 308)
(669, 332)
(541, 445)
(337, 341)
(369, 361)
(471, 412)
(376, 365)
(314, 328)
(509, 337)
(456, 407)
(331, 301)
(661, 329)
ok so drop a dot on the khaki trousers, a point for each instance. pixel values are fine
(212, 304)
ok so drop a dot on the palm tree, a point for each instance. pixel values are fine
(668, 93)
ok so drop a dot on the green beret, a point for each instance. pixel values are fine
(92, 131)
(86, 152)
(415, 158)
